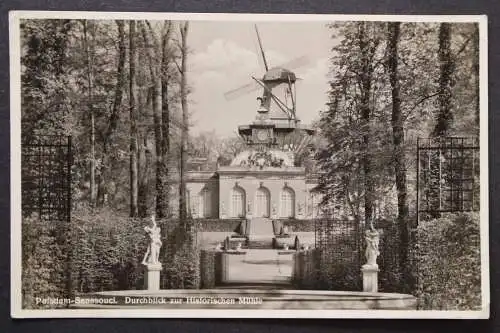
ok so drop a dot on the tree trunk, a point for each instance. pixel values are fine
(162, 199)
(120, 82)
(133, 119)
(366, 88)
(185, 124)
(115, 113)
(156, 76)
(398, 141)
(144, 190)
(445, 116)
(89, 56)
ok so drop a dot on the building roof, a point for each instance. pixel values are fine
(278, 74)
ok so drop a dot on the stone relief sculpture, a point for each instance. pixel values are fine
(300, 207)
(151, 257)
(372, 251)
(222, 208)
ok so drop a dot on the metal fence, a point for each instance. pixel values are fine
(339, 249)
(340, 253)
(46, 177)
(447, 175)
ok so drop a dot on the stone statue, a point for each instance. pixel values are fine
(153, 252)
(372, 252)
(275, 210)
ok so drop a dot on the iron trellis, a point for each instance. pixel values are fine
(46, 177)
(339, 247)
(447, 175)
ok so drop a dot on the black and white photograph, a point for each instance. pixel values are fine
(246, 165)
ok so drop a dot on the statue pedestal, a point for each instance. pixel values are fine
(370, 278)
(152, 276)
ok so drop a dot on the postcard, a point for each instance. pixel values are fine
(244, 165)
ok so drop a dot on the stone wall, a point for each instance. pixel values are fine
(198, 183)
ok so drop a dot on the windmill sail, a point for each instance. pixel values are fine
(261, 49)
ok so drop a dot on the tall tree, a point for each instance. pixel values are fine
(352, 158)
(89, 29)
(185, 121)
(367, 48)
(154, 56)
(133, 118)
(115, 114)
(444, 116)
(160, 55)
(162, 199)
(45, 76)
(398, 138)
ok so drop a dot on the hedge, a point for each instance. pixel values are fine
(210, 268)
(306, 269)
(44, 270)
(293, 225)
(448, 262)
(101, 250)
(218, 225)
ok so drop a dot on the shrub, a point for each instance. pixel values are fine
(305, 271)
(107, 249)
(312, 272)
(448, 263)
(181, 255)
(43, 262)
(101, 250)
(210, 266)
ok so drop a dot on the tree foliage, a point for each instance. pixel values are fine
(358, 127)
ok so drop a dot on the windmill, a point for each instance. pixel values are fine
(276, 124)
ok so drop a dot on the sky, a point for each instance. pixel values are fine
(224, 55)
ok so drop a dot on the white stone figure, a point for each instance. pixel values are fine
(238, 247)
(372, 252)
(153, 252)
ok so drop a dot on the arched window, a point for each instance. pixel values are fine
(287, 203)
(237, 202)
(262, 201)
(205, 203)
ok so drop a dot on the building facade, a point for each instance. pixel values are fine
(233, 192)
(265, 180)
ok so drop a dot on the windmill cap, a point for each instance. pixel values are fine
(279, 74)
